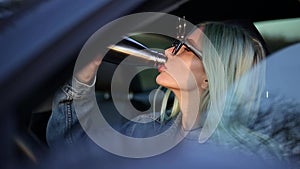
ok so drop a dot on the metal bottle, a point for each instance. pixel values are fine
(134, 48)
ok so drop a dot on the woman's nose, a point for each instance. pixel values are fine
(168, 52)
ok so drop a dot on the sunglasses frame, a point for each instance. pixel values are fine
(177, 46)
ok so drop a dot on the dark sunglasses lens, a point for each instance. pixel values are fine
(177, 48)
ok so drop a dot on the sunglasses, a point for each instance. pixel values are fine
(188, 45)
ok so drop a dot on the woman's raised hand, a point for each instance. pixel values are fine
(88, 72)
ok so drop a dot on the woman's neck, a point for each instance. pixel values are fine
(189, 102)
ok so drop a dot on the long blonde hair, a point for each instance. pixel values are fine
(235, 66)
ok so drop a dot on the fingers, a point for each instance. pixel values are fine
(97, 61)
(88, 72)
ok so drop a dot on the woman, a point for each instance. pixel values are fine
(217, 76)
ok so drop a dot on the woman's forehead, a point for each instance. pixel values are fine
(196, 33)
(195, 37)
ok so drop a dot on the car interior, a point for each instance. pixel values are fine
(40, 42)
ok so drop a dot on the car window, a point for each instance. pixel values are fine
(279, 33)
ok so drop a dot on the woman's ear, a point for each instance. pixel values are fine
(204, 84)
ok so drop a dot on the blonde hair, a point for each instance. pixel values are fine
(228, 53)
(235, 68)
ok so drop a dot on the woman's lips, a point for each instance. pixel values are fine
(161, 68)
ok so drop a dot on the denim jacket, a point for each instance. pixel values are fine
(65, 128)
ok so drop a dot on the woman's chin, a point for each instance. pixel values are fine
(165, 81)
(161, 80)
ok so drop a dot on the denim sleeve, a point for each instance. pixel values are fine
(63, 127)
